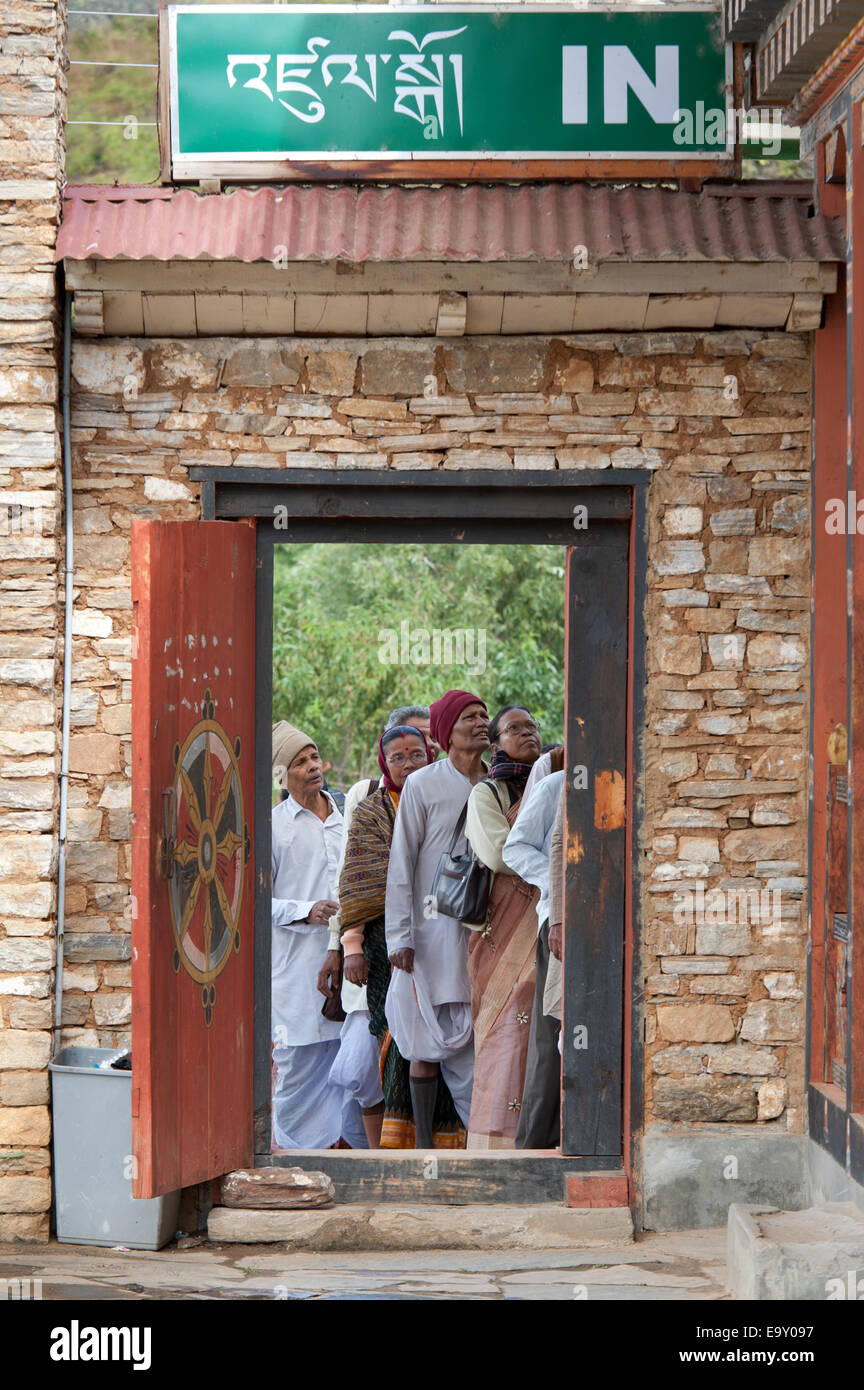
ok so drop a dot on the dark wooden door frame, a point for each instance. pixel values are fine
(471, 507)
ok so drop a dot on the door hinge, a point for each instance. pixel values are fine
(165, 861)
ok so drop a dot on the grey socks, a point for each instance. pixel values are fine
(424, 1093)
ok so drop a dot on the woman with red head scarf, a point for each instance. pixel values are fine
(402, 751)
(429, 1000)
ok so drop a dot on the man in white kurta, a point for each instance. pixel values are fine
(309, 1112)
(429, 1000)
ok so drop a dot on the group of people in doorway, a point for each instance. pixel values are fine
(432, 1032)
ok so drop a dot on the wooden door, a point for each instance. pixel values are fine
(193, 725)
(592, 1034)
(837, 934)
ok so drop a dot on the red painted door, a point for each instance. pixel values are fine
(193, 727)
(837, 935)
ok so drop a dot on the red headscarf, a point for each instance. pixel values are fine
(401, 729)
(443, 714)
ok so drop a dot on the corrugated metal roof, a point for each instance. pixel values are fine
(528, 222)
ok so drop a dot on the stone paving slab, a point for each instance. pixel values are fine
(266, 1258)
(685, 1266)
(609, 1293)
(637, 1277)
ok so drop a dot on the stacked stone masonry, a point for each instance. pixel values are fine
(722, 423)
(32, 108)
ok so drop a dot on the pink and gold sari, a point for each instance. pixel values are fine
(501, 970)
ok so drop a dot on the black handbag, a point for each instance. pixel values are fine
(462, 883)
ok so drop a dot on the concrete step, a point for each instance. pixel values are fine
(420, 1227)
(776, 1255)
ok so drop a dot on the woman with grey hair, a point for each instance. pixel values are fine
(419, 716)
(331, 970)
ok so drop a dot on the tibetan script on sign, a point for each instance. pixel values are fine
(418, 77)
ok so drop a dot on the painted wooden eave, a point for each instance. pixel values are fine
(183, 299)
(446, 261)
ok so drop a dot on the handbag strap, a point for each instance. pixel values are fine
(458, 830)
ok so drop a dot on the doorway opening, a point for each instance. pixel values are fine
(203, 684)
(366, 638)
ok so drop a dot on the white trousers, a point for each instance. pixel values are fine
(426, 1032)
(309, 1112)
(458, 1072)
(356, 1066)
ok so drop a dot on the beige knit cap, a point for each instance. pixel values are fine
(287, 743)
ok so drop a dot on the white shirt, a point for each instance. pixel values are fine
(305, 859)
(527, 847)
(429, 807)
(541, 769)
(353, 996)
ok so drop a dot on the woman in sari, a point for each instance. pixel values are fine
(501, 957)
(362, 888)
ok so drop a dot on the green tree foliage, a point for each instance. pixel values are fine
(335, 604)
(103, 144)
(110, 103)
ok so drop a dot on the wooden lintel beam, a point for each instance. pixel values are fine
(661, 277)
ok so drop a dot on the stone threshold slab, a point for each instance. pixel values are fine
(455, 1177)
(416, 1227)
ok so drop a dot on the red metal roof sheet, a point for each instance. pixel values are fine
(527, 222)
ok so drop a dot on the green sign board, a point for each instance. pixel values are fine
(256, 86)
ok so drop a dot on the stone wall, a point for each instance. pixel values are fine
(721, 421)
(32, 108)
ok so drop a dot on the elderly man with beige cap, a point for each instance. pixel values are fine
(309, 1112)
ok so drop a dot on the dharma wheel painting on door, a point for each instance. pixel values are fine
(207, 852)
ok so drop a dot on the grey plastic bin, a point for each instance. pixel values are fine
(93, 1157)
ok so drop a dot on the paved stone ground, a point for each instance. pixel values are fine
(684, 1265)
